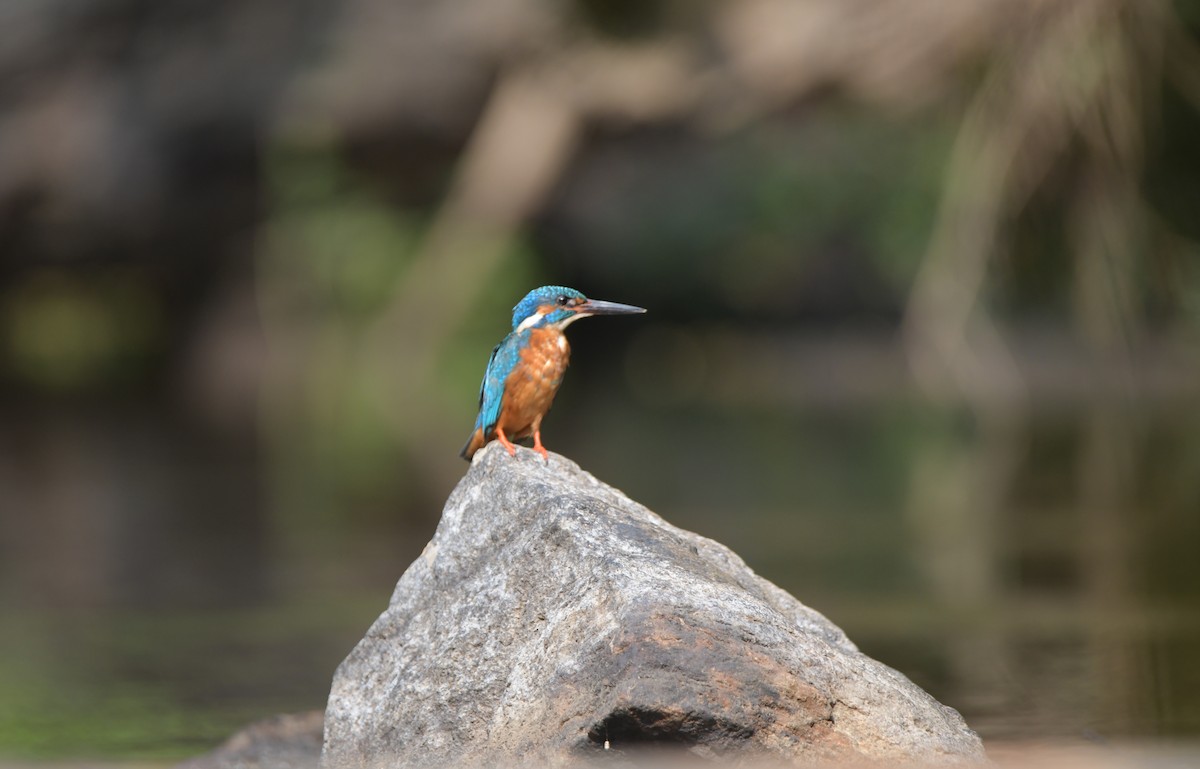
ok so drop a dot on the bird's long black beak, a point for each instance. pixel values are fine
(600, 307)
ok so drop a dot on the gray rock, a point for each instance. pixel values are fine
(551, 614)
(290, 741)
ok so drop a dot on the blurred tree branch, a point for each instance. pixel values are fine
(1077, 74)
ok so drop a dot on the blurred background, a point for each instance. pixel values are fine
(923, 343)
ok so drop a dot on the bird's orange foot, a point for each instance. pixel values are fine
(505, 442)
(538, 447)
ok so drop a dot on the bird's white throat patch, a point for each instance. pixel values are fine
(536, 319)
(531, 321)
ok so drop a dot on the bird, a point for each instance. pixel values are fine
(527, 367)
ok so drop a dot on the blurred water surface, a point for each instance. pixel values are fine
(1011, 604)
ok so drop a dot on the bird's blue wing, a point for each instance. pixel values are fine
(491, 391)
(483, 383)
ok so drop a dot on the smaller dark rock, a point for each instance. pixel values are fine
(290, 741)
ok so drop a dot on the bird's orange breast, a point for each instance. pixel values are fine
(530, 388)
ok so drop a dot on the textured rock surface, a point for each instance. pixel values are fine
(550, 613)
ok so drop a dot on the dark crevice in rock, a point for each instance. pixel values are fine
(636, 727)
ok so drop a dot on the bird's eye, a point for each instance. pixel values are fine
(562, 299)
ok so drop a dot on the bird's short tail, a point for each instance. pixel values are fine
(474, 443)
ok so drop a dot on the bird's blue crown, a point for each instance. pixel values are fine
(561, 297)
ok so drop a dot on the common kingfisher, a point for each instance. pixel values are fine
(526, 368)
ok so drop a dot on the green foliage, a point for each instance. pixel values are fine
(64, 332)
(757, 219)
